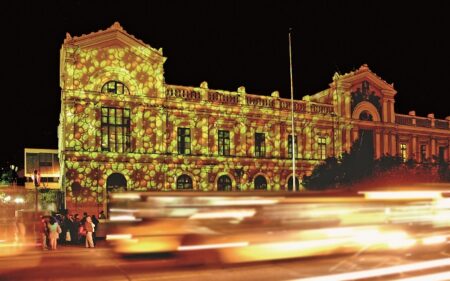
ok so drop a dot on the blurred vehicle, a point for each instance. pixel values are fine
(246, 227)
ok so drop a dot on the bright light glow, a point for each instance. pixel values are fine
(19, 200)
(123, 210)
(237, 202)
(7, 198)
(442, 276)
(396, 195)
(124, 218)
(126, 196)
(381, 271)
(213, 246)
(434, 240)
(118, 236)
(238, 214)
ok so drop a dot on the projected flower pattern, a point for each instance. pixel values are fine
(154, 163)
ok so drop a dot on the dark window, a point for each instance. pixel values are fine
(404, 151)
(224, 183)
(260, 145)
(322, 143)
(260, 183)
(224, 143)
(423, 152)
(184, 141)
(441, 154)
(291, 184)
(115, 129)
(290, 146)
(115, 87)
(365, 115)
(184, 182)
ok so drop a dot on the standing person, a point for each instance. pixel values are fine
(74, 229)
(43, 225)
(54, 231)
(94, 234)
(101, 215)
(89, 226)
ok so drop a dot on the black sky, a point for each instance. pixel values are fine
(228, 44)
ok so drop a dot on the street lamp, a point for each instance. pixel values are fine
(239, 172)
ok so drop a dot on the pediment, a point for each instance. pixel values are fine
(365, 78)
(113, 37)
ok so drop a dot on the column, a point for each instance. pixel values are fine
(414, 148)
(385, 111)
(377, 144)
(393, 145)
(385, 143)
(433, 148)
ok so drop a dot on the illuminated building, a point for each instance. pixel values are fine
(123, 127)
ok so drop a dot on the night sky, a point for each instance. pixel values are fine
(228, 44)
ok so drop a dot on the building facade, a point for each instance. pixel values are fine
(123, 128)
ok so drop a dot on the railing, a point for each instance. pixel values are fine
(423, 123)
(223, 98)
(404, 120)
(183, 93)
(441, 124)
(321, 108)
(299, 106)
(260, 101)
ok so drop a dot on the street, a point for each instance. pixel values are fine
(79, 263)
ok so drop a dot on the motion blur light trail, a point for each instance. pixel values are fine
(391, 270)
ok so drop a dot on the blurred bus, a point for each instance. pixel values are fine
(249, 226)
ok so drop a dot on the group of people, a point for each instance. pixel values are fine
(68, 230)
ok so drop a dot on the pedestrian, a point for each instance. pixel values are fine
(54, 231)
(89, 226)
(43, 225)
(94, 234)
(101, 215)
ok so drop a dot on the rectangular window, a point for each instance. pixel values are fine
(260, 145)
(184, 141)
(290, 146)
(322, 145)
(423, 152)
(404, 151)
(441, 154)
(224, 142)
(116, 129)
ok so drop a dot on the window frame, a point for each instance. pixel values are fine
(223, 142)
(116, 129)
(322, 147)
(260, 145)
(107, 89)
(184, 141)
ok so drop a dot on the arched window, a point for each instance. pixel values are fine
(184, 182)
(366, 116)
(115, 87)
(291, 186)
(224, 183)
(116, 182)
(260, 183)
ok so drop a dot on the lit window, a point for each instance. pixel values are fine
(260, 145)
(290, 146)
(403, 151)
(224, 143)
(115, 129)
(322, 145)
(184, 141)
(115, 87)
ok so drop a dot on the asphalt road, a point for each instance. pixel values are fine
(78, 263)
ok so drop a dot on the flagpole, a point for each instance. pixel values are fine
(294, 176)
